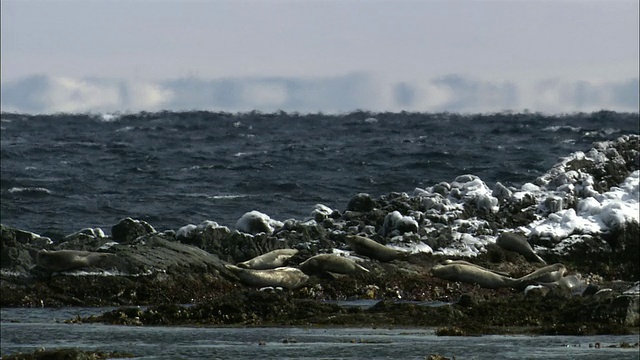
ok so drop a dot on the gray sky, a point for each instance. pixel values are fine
(550, 56)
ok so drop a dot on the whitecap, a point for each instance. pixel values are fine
(108, 117)
(40, 190)
(557, 128)
(226, 197)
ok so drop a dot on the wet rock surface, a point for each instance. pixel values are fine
(67, 354)
(485, 314)
(457, 220)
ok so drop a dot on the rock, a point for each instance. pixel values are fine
(442, 188)
(553, 204)
(254, 222)
(18, 249)
(501, 192)
(128, 230)
(361, 203)
(321, 213)
(621, 309)
(394, 221)
(208, 236)
(67, 354)
(536, 291)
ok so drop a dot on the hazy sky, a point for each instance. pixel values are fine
(550, 56)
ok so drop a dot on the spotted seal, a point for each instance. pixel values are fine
(518, 243)
(270, 260)
(447, 262)
(474, 274)
(64, 260)
(547, 274)
(285, 277)
(331, 263)
(373, 249)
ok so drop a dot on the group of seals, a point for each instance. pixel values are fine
(470, 273)
(261, 270)
(266, 270)
(551, 276)
(463, 271)
(65, 260)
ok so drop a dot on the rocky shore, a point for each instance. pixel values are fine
(582, 214)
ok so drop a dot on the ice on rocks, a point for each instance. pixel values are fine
(190, 230)
(394, 221)
(475, 191)
(254, 222)
(321, 212)
(596, 214)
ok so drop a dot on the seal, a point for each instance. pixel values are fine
(64, 260)
(285, 277)
(518, 243)
(547, 274)
(331, 263)
(572, 284)
(270, 260)
(473, 274)
(371, 248)
(447, 262)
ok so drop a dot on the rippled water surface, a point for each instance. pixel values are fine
(62, 173)
(28, 329)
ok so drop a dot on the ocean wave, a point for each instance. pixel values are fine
(287, 162)
(30, 190)
(217, 197)
(561, 128)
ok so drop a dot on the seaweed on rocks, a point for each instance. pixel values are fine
(508, 313)
(67, 354)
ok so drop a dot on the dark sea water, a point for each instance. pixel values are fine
(64, 172)
(25, 330)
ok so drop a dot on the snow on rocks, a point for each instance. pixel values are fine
(254, 222)
(321, 212)
(474, 191)
(396, 223)
(190, 230)
(128, 230)
(602, 213)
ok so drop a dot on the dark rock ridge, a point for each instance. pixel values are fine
(508, 314)
(461, 219)
(67, 354)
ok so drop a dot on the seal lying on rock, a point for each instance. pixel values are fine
(63, 260)
(571, 284)
(518, 243)
(547, 274)
(331, 263)
(460, 270)
(285, 277)
(270, 260)
(448, 262)
(474, 274)
(371, 248)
